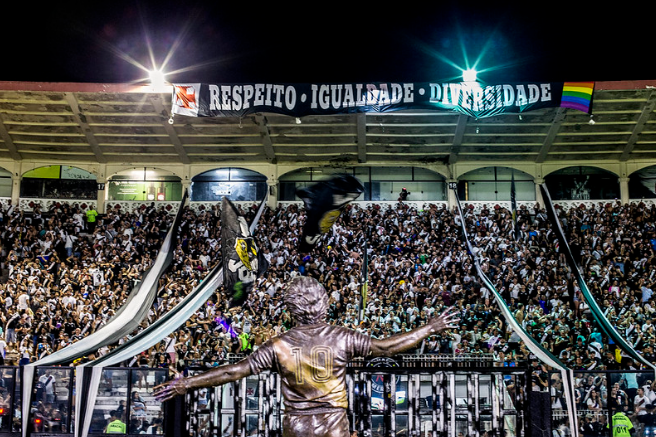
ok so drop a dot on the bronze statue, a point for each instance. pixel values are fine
(311, 359)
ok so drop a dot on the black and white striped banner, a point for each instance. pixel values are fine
(598, 315)
(126, 320)
(88, 374)
(532, 344)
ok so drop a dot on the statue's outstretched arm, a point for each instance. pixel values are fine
(399, 343)
(211, 378)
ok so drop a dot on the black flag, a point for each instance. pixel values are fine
(513, 206)
(242, 261)
(324, 202)
(364, 290)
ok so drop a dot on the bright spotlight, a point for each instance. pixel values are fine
(469, 75)
(157, 78)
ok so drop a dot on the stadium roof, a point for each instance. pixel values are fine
(120, 123)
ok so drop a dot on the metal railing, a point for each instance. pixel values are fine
(126, 391)
(432, 395)
(611, 391)
(426, 360)
(382, 401)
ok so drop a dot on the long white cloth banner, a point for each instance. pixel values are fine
(153, 334)
(125, 321)
(598, 315)
(533, 345)
(142, 341)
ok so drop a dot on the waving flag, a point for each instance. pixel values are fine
(324, 202)
(242, 261)
(577, 95)
(364, 290)
(513, 205)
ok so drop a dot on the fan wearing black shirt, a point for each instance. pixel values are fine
(610, 362)
(617, 399)
(649, 353)
(11, 328)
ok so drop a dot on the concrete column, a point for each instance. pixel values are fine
(186, 179)
(101, 196)
(272, 186)
(186, 185)
(538, 192)
(624, 190)
(453, 203)
(16, 179)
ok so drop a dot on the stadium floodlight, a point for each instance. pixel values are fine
(157, 79)
(469, 75)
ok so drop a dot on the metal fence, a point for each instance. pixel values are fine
(427, 395)
(126, 391)
(384, 399)
(600, 394)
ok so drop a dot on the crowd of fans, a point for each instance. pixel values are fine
(64, 278)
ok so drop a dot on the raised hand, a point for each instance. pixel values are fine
(170, 389)
(447, 320)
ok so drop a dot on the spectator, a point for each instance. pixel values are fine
(156, 427)
(137, 406)
(115, 425)
(418, 266)
(91, 215)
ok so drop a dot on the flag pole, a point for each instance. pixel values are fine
(513, 205)
(365, 276)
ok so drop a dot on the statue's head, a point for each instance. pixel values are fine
(306, 300)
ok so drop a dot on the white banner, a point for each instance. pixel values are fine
(126, 320)
(146, 339)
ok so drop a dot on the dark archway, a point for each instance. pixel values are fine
(582, 183)
(380, 183)
(495, 184)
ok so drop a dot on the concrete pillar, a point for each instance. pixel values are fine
(450, 185)
(185, 178)
(624, 190)
(186, 185)
(538, 192)
(16, 179)
(101, 195)
(272, 186)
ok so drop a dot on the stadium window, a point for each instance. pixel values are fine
(380, 183)
(582, 183)
(144, 184)
(238, 184)
(58, 182)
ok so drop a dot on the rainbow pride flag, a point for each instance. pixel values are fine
(577, 95)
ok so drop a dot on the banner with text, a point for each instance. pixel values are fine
(298, 100)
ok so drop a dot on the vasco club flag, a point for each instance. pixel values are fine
(297, 100)
(324, 202)
(242, 261)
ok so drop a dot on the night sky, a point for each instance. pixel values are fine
(325, 42)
